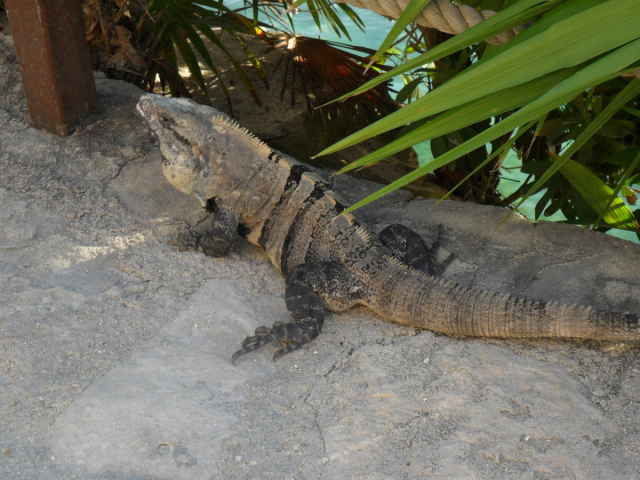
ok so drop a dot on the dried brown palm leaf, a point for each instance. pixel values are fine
(316, 71)
(126, 37)
(109, 26)
(126, 54)
(326, 72)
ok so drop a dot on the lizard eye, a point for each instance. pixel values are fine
(165, 118)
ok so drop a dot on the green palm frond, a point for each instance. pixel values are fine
(328, 12)
(572, 47)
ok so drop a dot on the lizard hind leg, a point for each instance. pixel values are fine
(311, 288)
(408, 247)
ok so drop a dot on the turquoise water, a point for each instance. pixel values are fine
(377, 27)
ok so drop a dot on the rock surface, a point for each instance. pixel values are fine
(115, 346)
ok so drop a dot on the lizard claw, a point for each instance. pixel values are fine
(263, 336)
(293, 335)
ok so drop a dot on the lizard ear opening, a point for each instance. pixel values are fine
(212, 205)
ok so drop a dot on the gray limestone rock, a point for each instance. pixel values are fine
(114, 345)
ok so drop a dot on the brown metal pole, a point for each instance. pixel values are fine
(53, 55)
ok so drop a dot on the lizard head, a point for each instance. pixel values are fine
(202, 155)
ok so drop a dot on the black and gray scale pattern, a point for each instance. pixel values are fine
(332, 262)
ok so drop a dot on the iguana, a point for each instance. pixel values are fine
(332, 261)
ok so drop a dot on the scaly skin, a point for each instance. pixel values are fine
(332, 262)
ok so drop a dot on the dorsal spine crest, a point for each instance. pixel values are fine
(223, 121)
(364, 233)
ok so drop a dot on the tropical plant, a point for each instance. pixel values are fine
(322, 11)
(139, 41)
(554, 93)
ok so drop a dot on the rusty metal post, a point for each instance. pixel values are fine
(53, 55)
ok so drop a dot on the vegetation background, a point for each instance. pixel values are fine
(554, 94)
(559, 97)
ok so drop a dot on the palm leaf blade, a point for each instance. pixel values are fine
(595, 73)
(563, 45)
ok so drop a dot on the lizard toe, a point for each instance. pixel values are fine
(249, 348)
(289, 348)
(263, 330)
(293, 335)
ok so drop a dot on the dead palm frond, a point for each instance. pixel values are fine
(139, 41)
(325, 72)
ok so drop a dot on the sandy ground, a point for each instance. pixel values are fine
(115, 345)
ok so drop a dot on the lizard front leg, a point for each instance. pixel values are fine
(217, 241)
(311, 288)
(223, 234)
